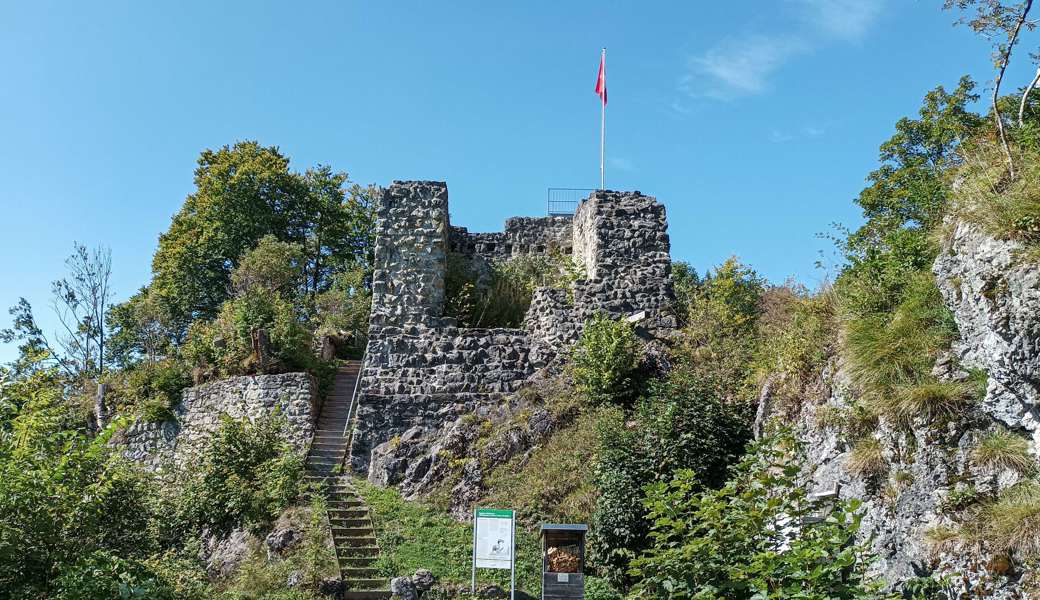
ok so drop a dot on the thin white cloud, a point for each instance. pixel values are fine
(743, 65)
(740, 66)
(847, 20)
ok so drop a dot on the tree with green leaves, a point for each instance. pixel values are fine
(905, 199)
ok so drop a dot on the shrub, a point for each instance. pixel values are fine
(345, 307)
(738, 542)
(597, 588)
(604, 361)
(155, 387)
(866, 458)
(104, 575)
(1001, 449)
(69, 505)
(225, 346)
(245, 476)
(498, 293)
(680, 426)
(798, 334)
(719, 341)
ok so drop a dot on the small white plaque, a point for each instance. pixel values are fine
(563, 577)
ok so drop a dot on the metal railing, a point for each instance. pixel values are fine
(564, 201)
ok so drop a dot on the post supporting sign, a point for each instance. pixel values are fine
(494, 544)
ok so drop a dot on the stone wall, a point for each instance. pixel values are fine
(422, 374)
(292, 395)
(411, 254)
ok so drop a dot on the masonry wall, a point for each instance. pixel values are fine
(422, 374)
(291, 395)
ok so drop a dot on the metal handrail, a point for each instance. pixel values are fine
(348, 427)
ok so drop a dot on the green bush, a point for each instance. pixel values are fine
(597, 588)
(70, 506)
(224, 347)
(245, 476)
(745, 541)
(604, 361)
(679, 426)
(104, 575)
(155, 388)
(719, 341)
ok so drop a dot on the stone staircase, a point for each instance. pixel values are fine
(351, 523)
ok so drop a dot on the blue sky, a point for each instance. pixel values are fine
(754, 124)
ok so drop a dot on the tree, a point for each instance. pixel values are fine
(905, 199)
(1001, 23)
(243, 193)
(341, 231)
(80, 301)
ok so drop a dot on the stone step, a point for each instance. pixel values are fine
(353, 532)
(339, 499)
(356, 542)
(351, 562)
(349, 523)
(360, 573)
(368, 584)
(358, 551)
(366, 595)
(355, 512)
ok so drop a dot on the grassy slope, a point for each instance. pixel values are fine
(554, 484)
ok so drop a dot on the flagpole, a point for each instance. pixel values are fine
(602, 119)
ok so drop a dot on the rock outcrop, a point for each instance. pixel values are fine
(929, 476)
(994, 293)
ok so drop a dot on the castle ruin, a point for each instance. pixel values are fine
(422, 372)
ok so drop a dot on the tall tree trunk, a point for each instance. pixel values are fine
(1025, 96)
(1004, 60)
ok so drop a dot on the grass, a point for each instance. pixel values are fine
(930, 399)
(412, 536)
(984, 195)
(866, 459)
(890, 353)
(1012, 521)
(556, 483)
(941, 539)
(1002, 450)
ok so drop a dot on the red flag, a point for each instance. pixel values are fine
(601, 80)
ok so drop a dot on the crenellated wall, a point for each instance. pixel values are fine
(422, 373)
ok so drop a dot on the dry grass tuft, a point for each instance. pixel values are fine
(1001, 449)
(866, 459)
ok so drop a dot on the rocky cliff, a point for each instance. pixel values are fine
(929, 480)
